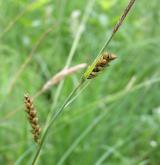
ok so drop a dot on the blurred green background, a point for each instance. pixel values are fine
(116, 119)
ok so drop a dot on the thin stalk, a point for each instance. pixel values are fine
(53, 118)
(115, 29)
(118, 24)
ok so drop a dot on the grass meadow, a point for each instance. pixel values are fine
(113, 120)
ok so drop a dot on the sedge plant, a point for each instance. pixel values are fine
(87, 74)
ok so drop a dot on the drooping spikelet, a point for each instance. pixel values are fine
(32, 117)
(101, 64)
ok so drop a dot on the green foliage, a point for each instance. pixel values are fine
(116, 119)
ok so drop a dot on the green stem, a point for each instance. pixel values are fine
(118, 24)
(115, 29)
(53, 118)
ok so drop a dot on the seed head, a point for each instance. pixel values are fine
(32, 117)
(101, 64)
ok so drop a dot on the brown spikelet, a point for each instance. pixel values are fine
(32, 118)
(101, 64)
